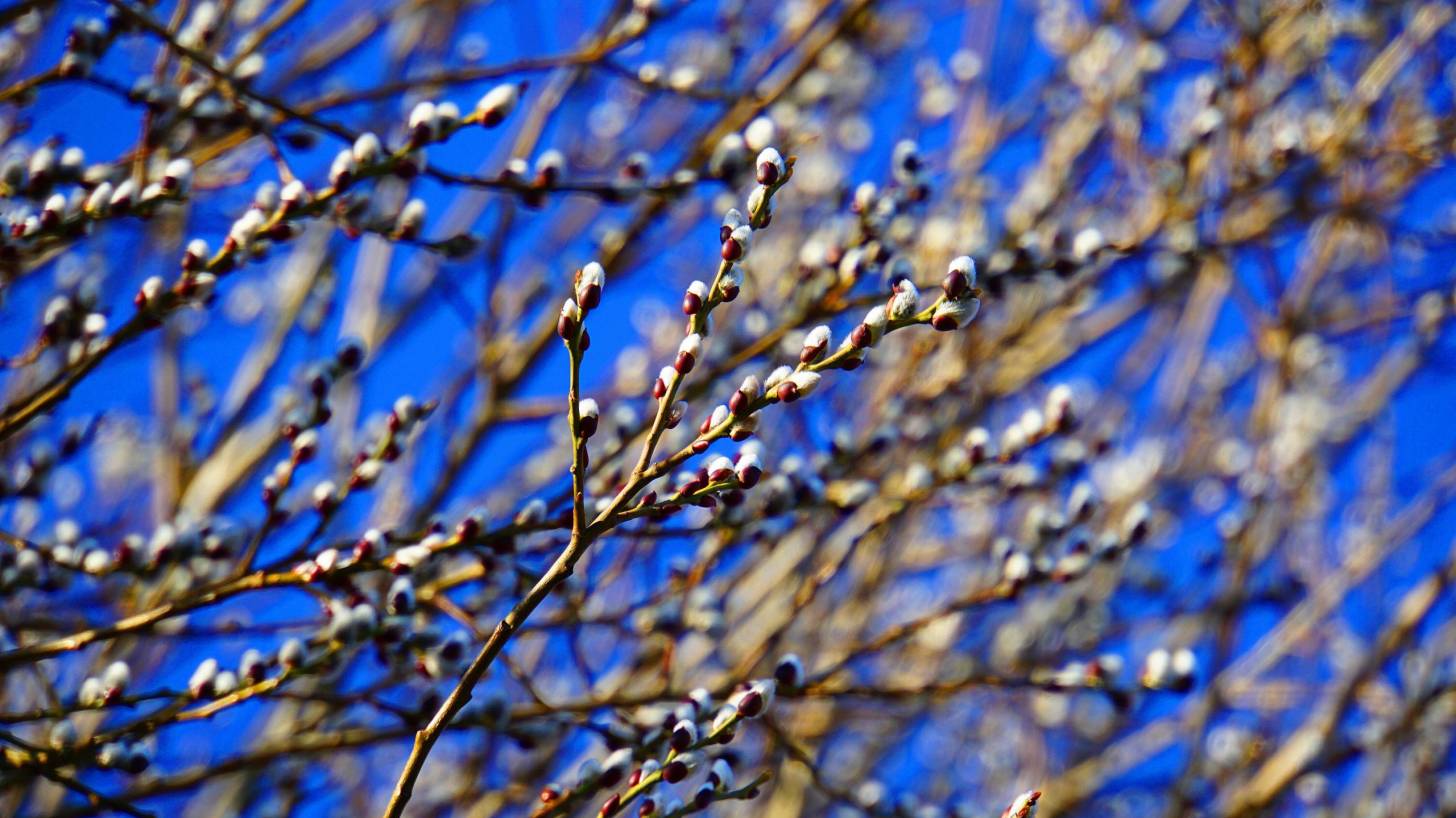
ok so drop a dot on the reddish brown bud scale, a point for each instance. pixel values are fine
(732, 250)
(787, 392)
(944, 323)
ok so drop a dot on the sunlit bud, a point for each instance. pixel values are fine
(367, 149)
(1023, 807)
(1016, 567)
(736, 246)
(960, 278)
(498, 103)
(422, 123)
(798, 385)
(684, 735)
(978, 445)
(411, 556)
(411, 219)
(245, 230)
(53, 211)
(730, 283)
(366, 473)
(769, 166)
(637, 165)
(1156, 673)
(532, 513)
(719, 469)
(755, 700)
(615, 768)
(92, 693)
(952, 315)
(1135, 522)
(294, 194)
(63, 735)
(225, 683)
(720, 774)
(1059, 413)
(904, 303)
(177, 176)
(719, 417)
(549, 168)
(1182, 666)
(111, 754)
(665, 377)
(777, 377)
(748, 469)
(760, 204)
(196, 255)
(147, 294)
(115, 679)
(1087, 243)
(688, 353)
(252, 667)
(1082, 502)
(693, 299)
(864, 197)
(1013, 440)
(99, 200)
(589, 414)
(748, 392)
(265, 198)
(760, 133)
(589, 283)
(732, 220)
(325, 496)
(343, 170)
(125, 195)
(292, 654)
(815, 344)
(905, 160)
(869, 331)
(789, 672)
(728, 155)
(569, 321)
(200, 684)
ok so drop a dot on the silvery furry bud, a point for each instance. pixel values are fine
(769, 166)
(960, 278)
(798, 385)
(815, 344)
(589, 283)
(569, 321)
(952, 315)
(498, 103)
(905, 301)
(589, 414)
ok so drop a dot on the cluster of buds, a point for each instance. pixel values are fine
(787, 384)
(1165, 670)
(431, 122)
(106, 688)
(586, 296)
(125, 755)
(960, 305)
(87, 41)
(210, 681)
